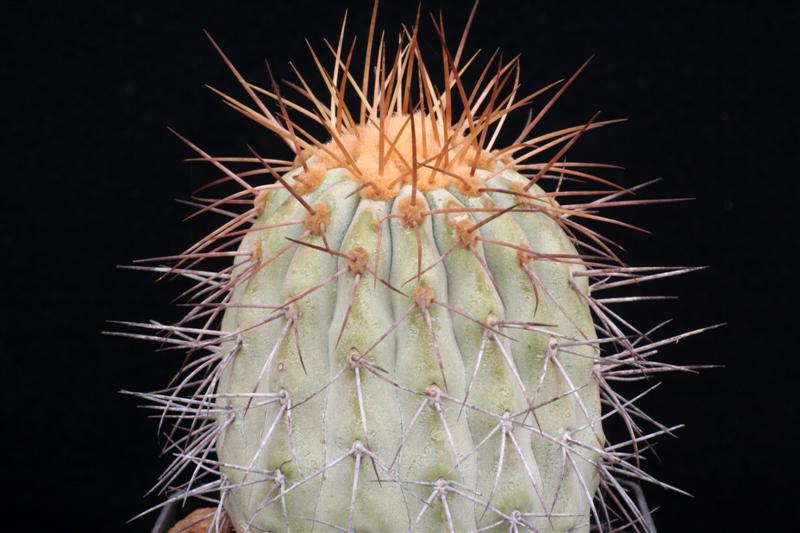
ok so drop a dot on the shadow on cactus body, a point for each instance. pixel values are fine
(411, 332)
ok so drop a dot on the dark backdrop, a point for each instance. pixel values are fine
(91, 175)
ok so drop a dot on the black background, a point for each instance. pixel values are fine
(91, 173)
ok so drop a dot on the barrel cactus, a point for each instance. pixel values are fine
(408, 335)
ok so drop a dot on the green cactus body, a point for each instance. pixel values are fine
(400, 366)
(408, 337)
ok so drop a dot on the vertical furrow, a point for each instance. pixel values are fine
(428, 363)
(359, 369)
(571, 410)
(301, 366)
(509, 478)
(254, 313)
(275, 198)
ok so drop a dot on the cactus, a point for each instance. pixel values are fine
(408, 333)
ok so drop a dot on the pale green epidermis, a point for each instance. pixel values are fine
(413, 438)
